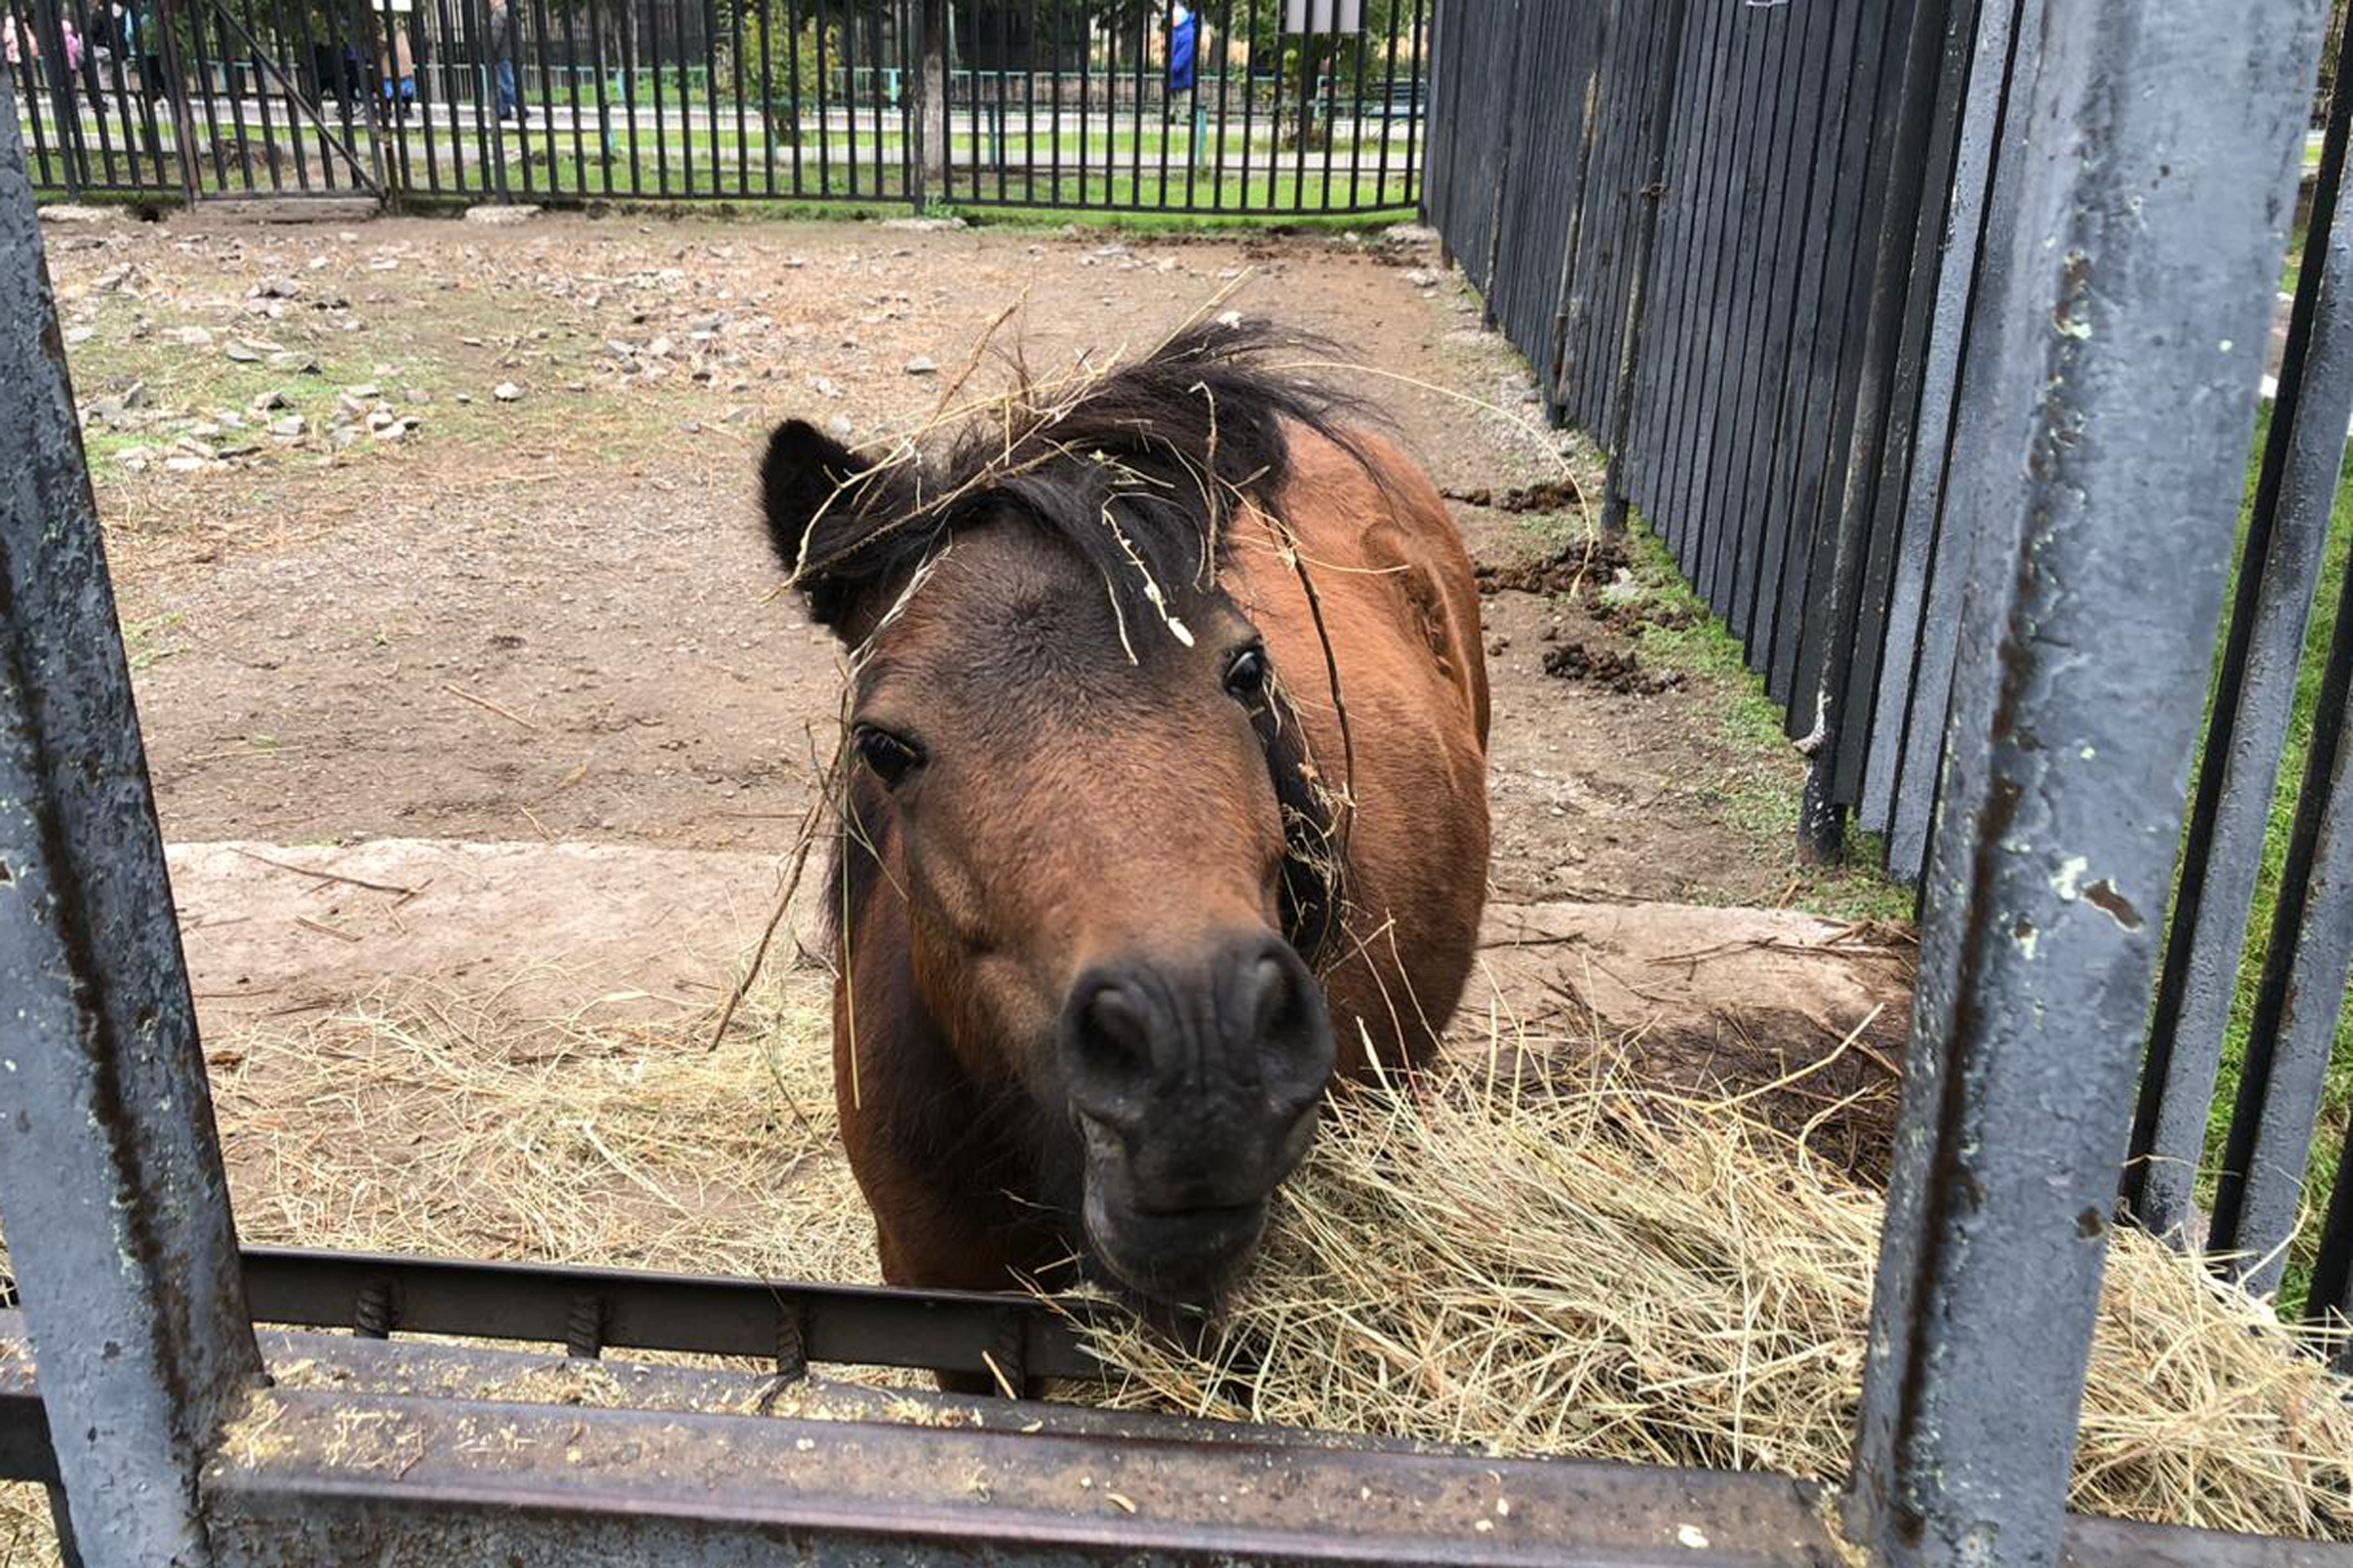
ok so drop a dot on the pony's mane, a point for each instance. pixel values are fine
(1136, 469)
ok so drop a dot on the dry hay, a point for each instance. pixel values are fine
(1499, 1257)
(1602, 1269)
(435, 1124)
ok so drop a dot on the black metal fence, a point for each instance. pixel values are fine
(1099, 104)
(1761, 252)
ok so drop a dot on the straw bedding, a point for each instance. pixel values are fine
(1514, 1254)
(1597, 1268)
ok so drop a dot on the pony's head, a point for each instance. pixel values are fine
(1072, 762)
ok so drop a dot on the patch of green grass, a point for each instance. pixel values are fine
(2337, 1097)
(196, 384)
(1679, 633)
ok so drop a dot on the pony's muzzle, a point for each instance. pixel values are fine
(1196, 1083)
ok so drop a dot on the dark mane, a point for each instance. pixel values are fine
(1164, 448)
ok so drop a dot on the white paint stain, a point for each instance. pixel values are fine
(2069, 883)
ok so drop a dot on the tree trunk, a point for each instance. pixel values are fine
(935, 96)
(1310, 67)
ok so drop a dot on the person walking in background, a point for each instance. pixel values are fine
(503, 41)
(141, 43)
(98, 48)
(398, 71)
(70, 39)
(16, 48)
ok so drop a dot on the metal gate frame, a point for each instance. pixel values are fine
(135, 1382)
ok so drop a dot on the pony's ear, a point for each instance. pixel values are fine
(806, 474)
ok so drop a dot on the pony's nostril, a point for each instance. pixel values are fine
(1270, 983)
(1112, 1044)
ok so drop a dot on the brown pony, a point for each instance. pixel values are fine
(1167, 797)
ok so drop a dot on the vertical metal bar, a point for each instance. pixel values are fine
(1839, 536)
(1925, 727)
(149, 90)
(1415, 104)
(1167, 52)
(686, 105)
(572, 105)
(2254, 698)
(445, 68)
(998, 120)
(1388, 107)
(2330, 1304)
(2303, 990)
(1508, 109)
(1062, 18)
(1792, 182)
(26, 91)
(2157, 194)
(1760, 35)
(43, 42)
(304, 39)
(1637, 59)
(824, 110)
(351, 76)
(735, 36)
(538, 12)
(793, 71)
(654, 78)
(1638, 294)
(1307, 72)
(115, 1202)
(707, 17)
(96, 86)
(1029, 112)
(124, 64)
(1869, 608)
(767, 115)
(374, 107)
(1719, 140)
(913, 83)
(204, 73)
(1141, 64)
(1249, 105)
(1818, 470)
(629, 68)
(1926, 678)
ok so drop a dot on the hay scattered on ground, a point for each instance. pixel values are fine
(436, 1124)
(1599, 1270)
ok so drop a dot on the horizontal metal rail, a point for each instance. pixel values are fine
(428, 1453)
(594, 1309)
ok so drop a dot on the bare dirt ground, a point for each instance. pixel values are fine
(548, 616)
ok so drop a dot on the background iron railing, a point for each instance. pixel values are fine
(1092, 104)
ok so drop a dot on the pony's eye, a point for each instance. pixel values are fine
(890, 758)
(1246, 676)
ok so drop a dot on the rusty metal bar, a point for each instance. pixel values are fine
(2099, 507)
(112, 1188)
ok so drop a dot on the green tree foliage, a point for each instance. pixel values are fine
(787, 70)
